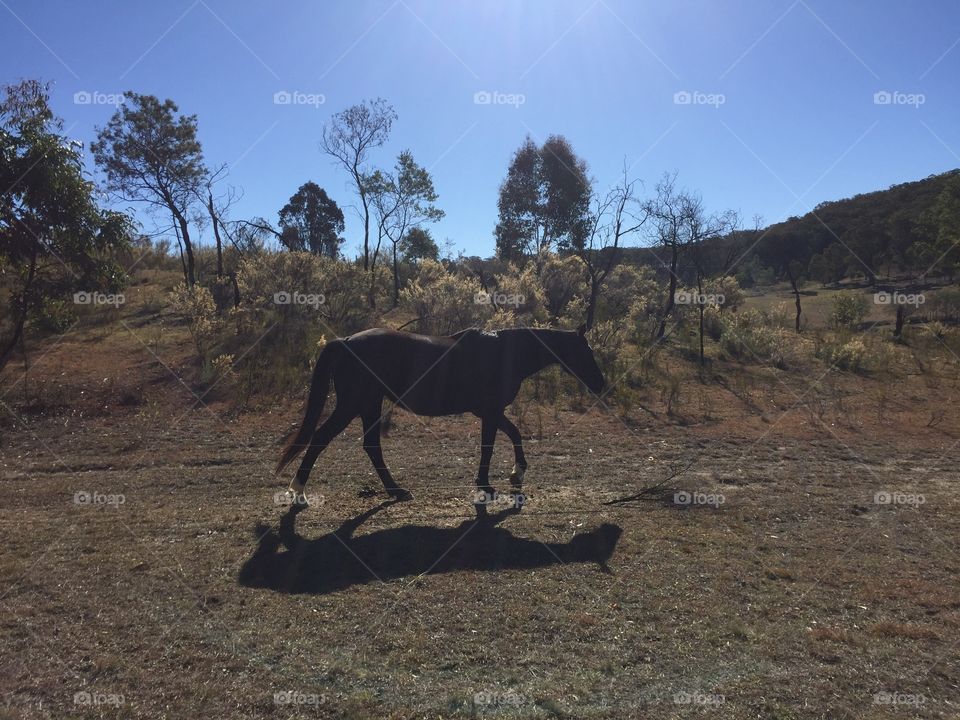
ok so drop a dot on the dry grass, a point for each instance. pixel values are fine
(797, 595)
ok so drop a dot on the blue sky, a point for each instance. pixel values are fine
(782, 113)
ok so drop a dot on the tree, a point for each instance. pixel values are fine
(544, 200)
(403, 199)
(795, 276)
(418, 245)
(614, 217)
(943, 228)
(348, 139)
(312, 221)
(679, 224)
(54, 239)
(149, 153)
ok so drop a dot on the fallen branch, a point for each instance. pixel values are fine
(651, 489)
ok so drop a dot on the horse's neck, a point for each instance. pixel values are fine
(535, 351)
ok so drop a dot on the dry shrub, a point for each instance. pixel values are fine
(562, 280)
(753, 335)
(445, 302)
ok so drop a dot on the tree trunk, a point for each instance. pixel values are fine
(592, 304)
(701, 306)
(674, 257)
(187, 246)
(22, 317)
(216, 234)
(396, 278)
(898, 329)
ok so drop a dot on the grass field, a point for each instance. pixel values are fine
(801, 563)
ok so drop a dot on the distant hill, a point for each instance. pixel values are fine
(873, 235)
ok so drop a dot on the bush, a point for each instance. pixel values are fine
(847, 355)
(445, 302)
(562, 279)
(847, 311)
(752, 335)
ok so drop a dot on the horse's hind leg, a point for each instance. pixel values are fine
(372, 425)
(520, 462)
(333, 426)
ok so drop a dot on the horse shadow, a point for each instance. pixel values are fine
(287, 562)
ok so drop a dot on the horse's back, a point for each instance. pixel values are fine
(428, 374)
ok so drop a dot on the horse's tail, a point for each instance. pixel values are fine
(300, 439)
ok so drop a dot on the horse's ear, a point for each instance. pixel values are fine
(582, 330)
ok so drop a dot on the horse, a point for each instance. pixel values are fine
(471, 371)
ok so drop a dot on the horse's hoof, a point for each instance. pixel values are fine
(297, 500)
(400, 494)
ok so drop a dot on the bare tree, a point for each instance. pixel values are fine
(680, 223)
(348, 139)
(612, 218)
(702, 233)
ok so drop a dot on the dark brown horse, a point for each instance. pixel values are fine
(471, 371)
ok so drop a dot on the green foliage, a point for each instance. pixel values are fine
(543, 201)
(847, 310)
(54, 238)
(311, 221)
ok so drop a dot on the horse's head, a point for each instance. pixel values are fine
(580, 363)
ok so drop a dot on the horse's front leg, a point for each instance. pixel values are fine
(485, 491)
